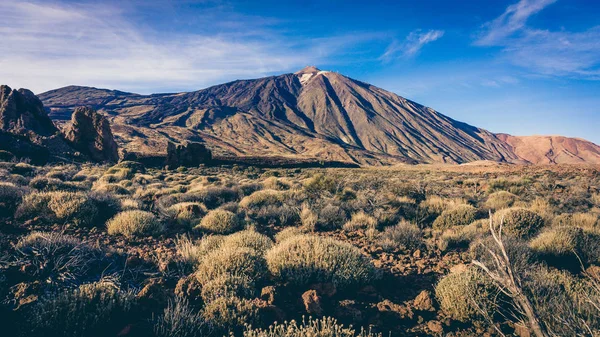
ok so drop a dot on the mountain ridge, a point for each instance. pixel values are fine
(310, 113)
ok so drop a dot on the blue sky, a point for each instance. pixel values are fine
(520, 67)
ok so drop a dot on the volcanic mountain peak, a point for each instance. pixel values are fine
(307, 114)
(308, 73)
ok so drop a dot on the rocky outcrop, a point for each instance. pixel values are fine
(89, 132)
(23, 147)
(22, 113)
(191, 154)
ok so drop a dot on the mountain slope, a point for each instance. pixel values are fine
(553, 149)
(308, 114)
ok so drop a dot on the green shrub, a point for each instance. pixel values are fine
(431, 208)
(499, 200)
(519, 222)
(234, 261)
(324, 327)
(91, 309)
(220, 221)
(461, 215)
(462, 294)
(305, 259)
(134, 223)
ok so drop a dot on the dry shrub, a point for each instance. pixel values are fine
(179, 319)
(273, 183)
(263, 198)
(308, 218)
(248, 239)
(404, 235)
(186, 213)
(460, 215)
(10, 197)
(320, 183)
(193, 253)
(134, 223)
(111, 188)
(563, 302)
(129, 204)
(304, 259)
(430, 208)
(64, 207)
(98, 308)
(360, 220)
(331, 217)
(289, 232)
(567, 247)
(466, 294)
(51, 184)
(326, 326)
(60, 257)
(542, 207)
(234, 261)
(519, 222)
(230, 313)
(499, 200)
(462, 236)
(220, 221)
(596, 199)
(227, 285)
(582, 220)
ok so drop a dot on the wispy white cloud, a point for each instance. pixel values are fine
(51, 44)
(411, 45)
(512, 20)
(543, 52)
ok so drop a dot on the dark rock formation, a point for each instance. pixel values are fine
(21, 112)
(23, 147)
(89, 132)
(192, 154)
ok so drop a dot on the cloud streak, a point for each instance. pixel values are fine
(411, 46)
(51, 45)
(543, 52)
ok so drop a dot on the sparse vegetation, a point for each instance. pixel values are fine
(206, 251)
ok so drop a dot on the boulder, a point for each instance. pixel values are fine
(189, 155)
(89, 132)
(22, 113)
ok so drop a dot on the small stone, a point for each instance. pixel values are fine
(435, 327)
(312, 302)
(417, 254)
(424, 301)
(268, 294)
